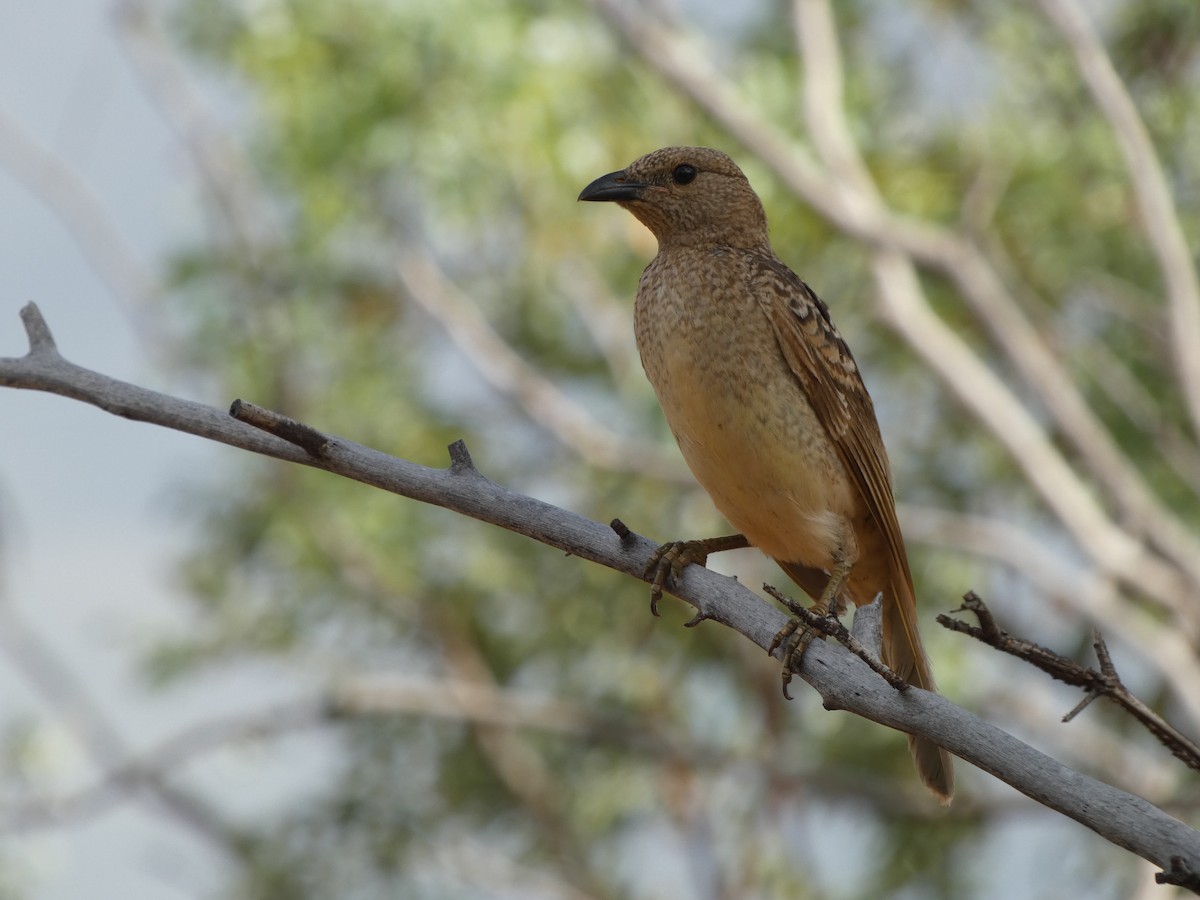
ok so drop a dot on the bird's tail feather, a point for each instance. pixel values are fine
(905, 655)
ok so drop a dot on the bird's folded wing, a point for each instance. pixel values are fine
(821, 361)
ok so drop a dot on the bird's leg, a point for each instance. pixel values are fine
(792, 637)
(671, 558)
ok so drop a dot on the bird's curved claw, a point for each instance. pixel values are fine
(795, 636)
(669, 560)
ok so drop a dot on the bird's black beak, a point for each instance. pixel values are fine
(613, 186)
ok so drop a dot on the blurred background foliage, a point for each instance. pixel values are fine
(414, 163)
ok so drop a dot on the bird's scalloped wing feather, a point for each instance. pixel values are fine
(821, 361)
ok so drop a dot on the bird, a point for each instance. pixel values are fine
(767, 405)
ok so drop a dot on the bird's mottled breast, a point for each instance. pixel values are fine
(738, 412)
(701, 330)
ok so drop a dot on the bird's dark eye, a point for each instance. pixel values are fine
(684, 174)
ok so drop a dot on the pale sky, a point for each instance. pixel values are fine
(89, 503)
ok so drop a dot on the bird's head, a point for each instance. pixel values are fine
(687, 195)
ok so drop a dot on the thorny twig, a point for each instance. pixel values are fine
(1104, 682)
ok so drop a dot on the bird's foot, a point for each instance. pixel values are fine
(822, 621)
(819, 620)
(671, 558)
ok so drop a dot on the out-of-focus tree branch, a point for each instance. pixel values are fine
(1159, 216)
(228, 174)
(61, 689)
(520, 766)
(607, 320)
(507, 371)
(822, 93)
(126, 774)
(83, 217)
(1112, 549)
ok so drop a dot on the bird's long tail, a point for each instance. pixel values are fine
(905, 655)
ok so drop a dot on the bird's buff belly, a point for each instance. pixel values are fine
(763, 459)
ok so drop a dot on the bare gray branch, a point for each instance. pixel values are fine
(843, 680)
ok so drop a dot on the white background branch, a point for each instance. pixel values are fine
(508, 372)
(1159, 216)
